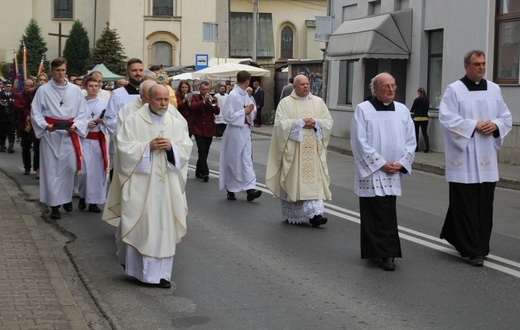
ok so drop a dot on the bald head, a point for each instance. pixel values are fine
(144, 88)
(301, 85)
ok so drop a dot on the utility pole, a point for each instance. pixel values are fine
(255, 28)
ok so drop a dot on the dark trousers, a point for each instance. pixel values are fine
(424, 130)
(27, 141)
(220, 129)
(379, 234)
(258, 120)
(203, 145)
(7, 132)
(469, 219)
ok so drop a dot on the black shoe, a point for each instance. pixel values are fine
(426, 151)
(82, 205)
(205, 178)
(253, 194)
(55, 212)
(10, 150)
(231, 196)
(198, 175)
(388, 264)
(164, 284)
(67, 207)
(94, 208)
(2, 149)
(318, 220)
(26, 172)
(477, 261)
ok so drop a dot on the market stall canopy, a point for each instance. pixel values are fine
(107, 74)
(184, 76)
(382, 36)
(229, 70)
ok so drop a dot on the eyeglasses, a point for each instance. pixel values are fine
(388, 86)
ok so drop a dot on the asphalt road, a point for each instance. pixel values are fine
(242, 267)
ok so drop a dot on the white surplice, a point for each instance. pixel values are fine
(378, 137)
(471, 156)
(58, 164)
(236, 162)
(93, 177)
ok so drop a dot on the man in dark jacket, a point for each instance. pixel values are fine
(203, 110)
(258, 94)
(7, 118)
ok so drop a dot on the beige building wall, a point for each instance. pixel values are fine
(293, 14)
(138, 30)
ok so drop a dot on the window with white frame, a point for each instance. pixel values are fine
(162, 7)
(435, 50)
(507, 42)
(162, 53)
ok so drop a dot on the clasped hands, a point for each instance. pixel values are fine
(391, 168)
(309, 123)
(161, 143)
(486, 126)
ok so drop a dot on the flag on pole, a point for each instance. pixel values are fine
(41, 68)
(14, 71)
(24, 55)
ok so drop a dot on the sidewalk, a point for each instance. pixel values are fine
(432, 162)
(33, 293)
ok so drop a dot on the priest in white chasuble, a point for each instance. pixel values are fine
(153, 152)
(297, 171)
(383, 144)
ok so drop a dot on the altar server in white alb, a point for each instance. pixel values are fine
(93, 178)
(475, 120)
(153, 151)
(236, 157)
(383, 143)
(121, 97)
(297, 171)
(59, 118)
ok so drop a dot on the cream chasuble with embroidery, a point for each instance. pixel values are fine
(299, 168)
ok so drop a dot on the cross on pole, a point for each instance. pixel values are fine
(59, 35)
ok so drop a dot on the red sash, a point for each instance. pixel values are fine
(100, 136)
(73, 136)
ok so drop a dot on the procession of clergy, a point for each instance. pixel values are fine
(146, 162)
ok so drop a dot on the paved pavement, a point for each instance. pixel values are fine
(33, 292)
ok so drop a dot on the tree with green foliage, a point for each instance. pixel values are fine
(109, 51)
(36, 48)
(77, 49)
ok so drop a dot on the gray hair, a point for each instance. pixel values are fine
(143, 87)
(147, 74)
(374, 81)
(475, 52)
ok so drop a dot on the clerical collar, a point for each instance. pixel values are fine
(474, 86)
(131, 89)
(303, 98)
(380, 106)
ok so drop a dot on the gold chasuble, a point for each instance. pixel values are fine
(300, 168)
